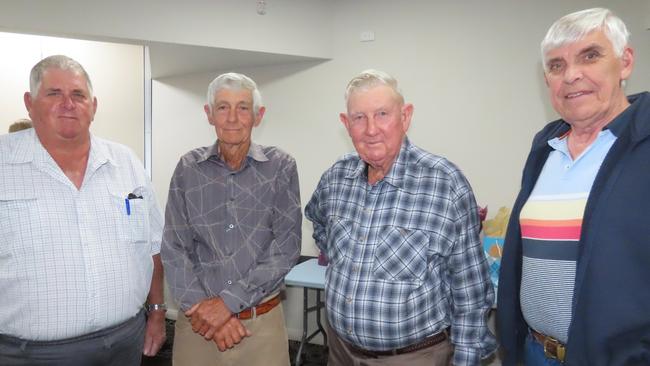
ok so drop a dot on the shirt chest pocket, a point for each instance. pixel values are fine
(17, 212)
(401, 255)
(132, 212)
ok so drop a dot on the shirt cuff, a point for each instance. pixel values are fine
(466, 356)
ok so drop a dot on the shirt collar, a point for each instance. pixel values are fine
(395, 175)
(255, 152)
(99, 154)
(29, 149)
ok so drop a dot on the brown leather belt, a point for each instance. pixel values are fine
(552, 347)
(260, 309)
(426, 343)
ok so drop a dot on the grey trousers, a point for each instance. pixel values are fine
(120, 345)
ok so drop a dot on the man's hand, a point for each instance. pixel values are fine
(230, 334)
(154, 336)
(208, 316)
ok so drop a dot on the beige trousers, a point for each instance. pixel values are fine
(268, 346)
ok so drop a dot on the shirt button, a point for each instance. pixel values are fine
(349, 330)
(229, 282)
(355, 269)
(348, 300)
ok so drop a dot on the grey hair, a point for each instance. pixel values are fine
(371, 78)
(234, 81)
(56, 62)
(575, 26)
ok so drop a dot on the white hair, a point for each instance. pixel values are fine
(56, 62)
(234, 81)
(370, 78)
(575, 26)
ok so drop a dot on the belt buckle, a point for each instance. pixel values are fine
(559, 349)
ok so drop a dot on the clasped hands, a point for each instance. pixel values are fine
(212, 319)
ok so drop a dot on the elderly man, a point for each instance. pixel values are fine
(79, 235)
(232, 232)
(574, 285)
(407, 277)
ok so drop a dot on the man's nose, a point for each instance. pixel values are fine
(232, 115)
(371, 126)
(68, 103)
(572, 73)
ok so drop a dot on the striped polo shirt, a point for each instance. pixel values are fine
(551, 222)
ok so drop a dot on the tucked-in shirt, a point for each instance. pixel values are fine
(72, 261)
(231, 233)
(551, 222)
(405, 257)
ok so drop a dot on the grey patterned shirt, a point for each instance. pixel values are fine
(232, 234)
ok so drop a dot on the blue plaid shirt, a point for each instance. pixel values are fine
(405, 257)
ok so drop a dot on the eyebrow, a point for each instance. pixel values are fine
(591, 47)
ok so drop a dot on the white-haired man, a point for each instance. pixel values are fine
(80, 234)
(407, 282)
(574, 285)
(232, 232)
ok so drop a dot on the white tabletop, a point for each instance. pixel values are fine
(307, 274)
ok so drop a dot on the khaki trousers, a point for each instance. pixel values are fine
(268, 346)
(341, 355)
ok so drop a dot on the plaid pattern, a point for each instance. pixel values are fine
(405, 257)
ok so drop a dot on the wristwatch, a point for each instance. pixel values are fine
(155, 307)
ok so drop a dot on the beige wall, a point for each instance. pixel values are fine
(116, 71)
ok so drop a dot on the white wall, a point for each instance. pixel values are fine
(116, 71)
(289, 26)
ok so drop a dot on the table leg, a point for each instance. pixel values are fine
(319, 306)
(305, 311)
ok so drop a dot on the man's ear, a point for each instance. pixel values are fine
(407, 113)
(627, 63)
(345, 120)
(258, 117)
(27, 99)
(94, 108)
(206, 108)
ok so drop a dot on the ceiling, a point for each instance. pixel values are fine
(169, 59)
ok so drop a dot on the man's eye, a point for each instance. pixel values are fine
(589, 56)
(555, 67)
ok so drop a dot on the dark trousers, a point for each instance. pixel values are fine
(120, 345)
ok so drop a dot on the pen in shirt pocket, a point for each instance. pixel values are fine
(127, 202)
